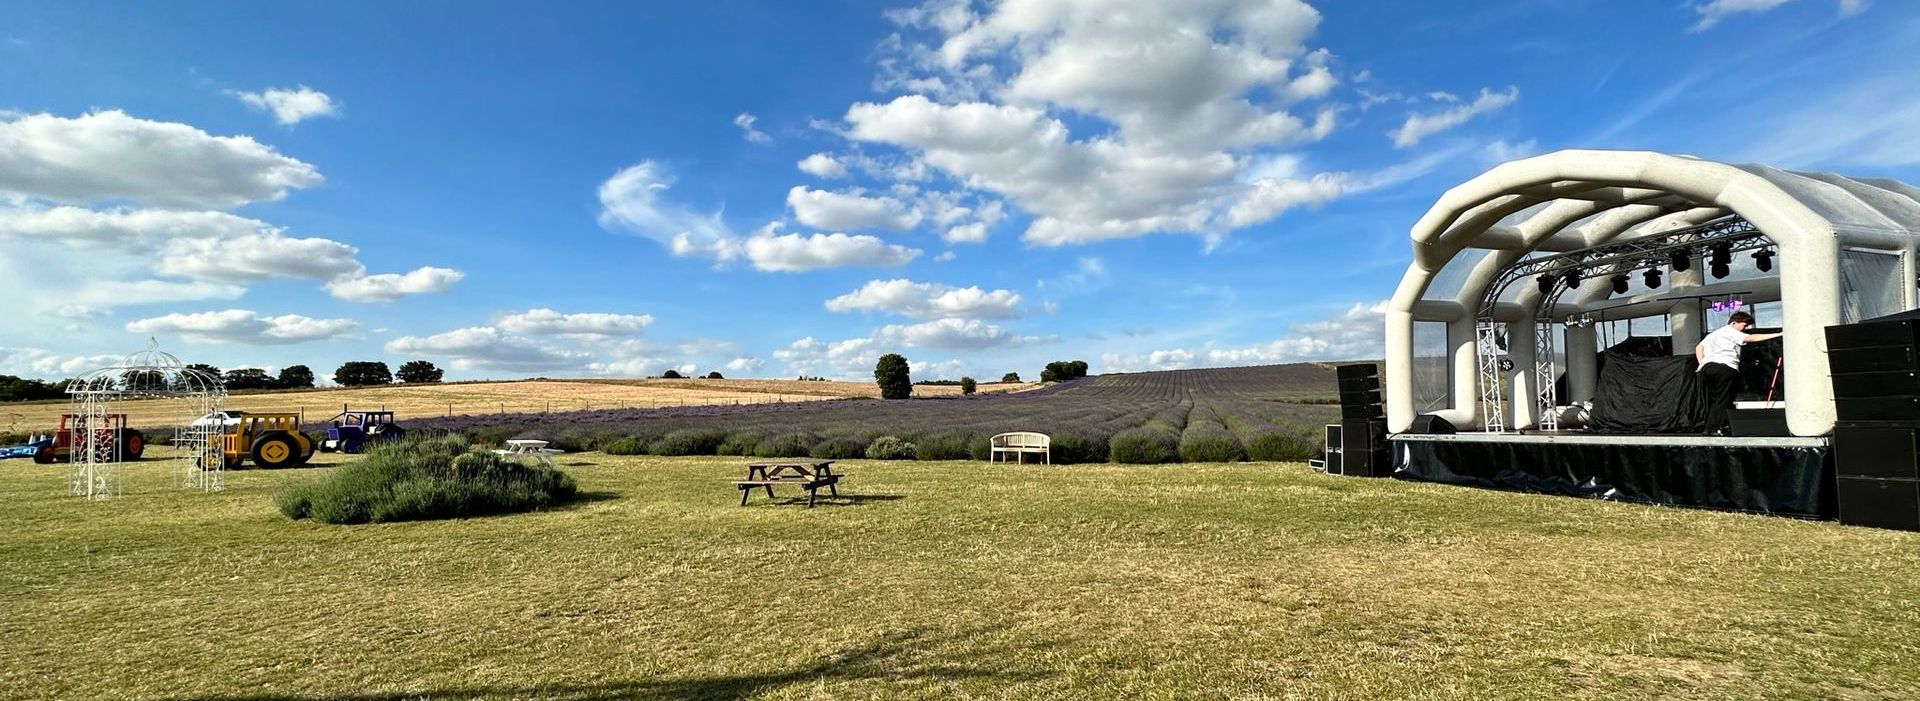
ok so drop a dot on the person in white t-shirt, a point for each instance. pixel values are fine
(1718, 357)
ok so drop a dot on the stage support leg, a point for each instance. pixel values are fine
(1520, 348)
(1684, 319)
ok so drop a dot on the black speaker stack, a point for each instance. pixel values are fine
(1876, 439)
(1363, 423)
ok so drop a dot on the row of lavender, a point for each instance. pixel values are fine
(1215, 415)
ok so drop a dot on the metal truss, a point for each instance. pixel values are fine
(1735, 233)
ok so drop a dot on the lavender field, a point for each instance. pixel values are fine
(1214, 415)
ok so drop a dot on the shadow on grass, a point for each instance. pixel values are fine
(825, 499)
(909, 656)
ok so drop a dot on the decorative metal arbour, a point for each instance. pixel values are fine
(99, 428)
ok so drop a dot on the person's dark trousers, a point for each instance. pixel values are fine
(1720, 384)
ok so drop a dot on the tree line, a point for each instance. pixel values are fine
(895, 376)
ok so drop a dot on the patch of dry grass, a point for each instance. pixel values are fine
(948, 580)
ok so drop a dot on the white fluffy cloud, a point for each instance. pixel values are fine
(1421, 126)
(258, 256)
(745, 121)
(386, 287)
(952, 334)
(1177, 96)
(849, 358)
(631, 201)
(45, 364)
(244, 326)
(822, 165)
(487, 347)
(745, 364)
(927, 300)
(111, 156)
(547, 322)
(796, 253)
(131, 230)
(290, 105)
(1356, 334)
(850, 210)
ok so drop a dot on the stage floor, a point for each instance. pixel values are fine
(1584, 438)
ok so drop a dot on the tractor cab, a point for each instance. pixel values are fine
(351, 431)
(270, 439)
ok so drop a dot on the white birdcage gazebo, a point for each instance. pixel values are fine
(99, 427)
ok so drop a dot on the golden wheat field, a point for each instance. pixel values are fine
(485, 398)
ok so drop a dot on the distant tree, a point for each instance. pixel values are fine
(966, 385)
(210, 370)
(361, 373)
(1063, 370)
(1010, 377)
(415, 372)
(894, 376)
(21, 389)
(715, 375)
(250, 378)
(671, 374)
(295, 377)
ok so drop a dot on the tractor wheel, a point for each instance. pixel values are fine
(133, 444)
(276, 450)
(44, 455)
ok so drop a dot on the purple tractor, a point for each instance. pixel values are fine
(352, 431)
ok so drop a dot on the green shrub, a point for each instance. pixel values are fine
(942, 446)
(422, 479)
(891, 448)
(1076, 448)
(689, 441)
(894, 376)
(980, 449)
(785, 445)
(839, 448)
(1210, 443)
(1143, 446)
(1279, 446)
(625, 446)
(738, 443)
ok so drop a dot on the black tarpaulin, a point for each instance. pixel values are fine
(1647, 394)
(1796, 481)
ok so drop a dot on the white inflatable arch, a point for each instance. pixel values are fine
(1833, 236)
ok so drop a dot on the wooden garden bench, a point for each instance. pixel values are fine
(1019, 444)
(810, 475)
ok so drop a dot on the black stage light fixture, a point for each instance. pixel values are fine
(1763, 259)
(1620, 284)
(1720, 270)
(1546, 284)
(1652, 279)
(1681, 260)
(1572, 278)
(1721, 253)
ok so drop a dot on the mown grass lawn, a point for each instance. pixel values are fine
(954, 580)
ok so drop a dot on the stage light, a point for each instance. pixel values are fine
(1653, 279)
(1722, 255)
(1572, 278)
(1720, 270)
(1620, 284)
(1763, 259)
(1546, 284)
(1681, 260)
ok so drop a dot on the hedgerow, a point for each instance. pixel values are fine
(421, 479)
(1143, 446)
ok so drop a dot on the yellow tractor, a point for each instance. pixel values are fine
(270, 439)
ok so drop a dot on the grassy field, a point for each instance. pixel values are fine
(947, 580)
(471, 398)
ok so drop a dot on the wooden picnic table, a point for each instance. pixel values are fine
(810, 475)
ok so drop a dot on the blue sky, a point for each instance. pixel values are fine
(774, 189)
